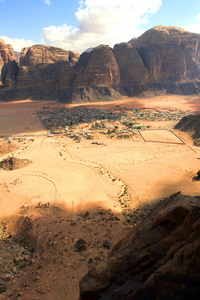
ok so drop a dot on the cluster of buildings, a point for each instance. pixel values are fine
(65, 119)
(164, 115)
(81, 122)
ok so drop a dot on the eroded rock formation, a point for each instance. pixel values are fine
(98, 67)
(46, 55)
(163, 58)
(44, 71)
(159, 259)
(169, 53)
(132, 68)
(191, 124)
(8, 65)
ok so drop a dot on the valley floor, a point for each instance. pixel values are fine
(89, 190)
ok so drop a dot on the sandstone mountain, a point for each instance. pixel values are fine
(8, 66)
(158, 259)
(98, 67)
(44, 71)
(163, 58)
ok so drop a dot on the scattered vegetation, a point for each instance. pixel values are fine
(75, 137)
(89, 137)
(124, 193)
(4, 234)
(129, 124)
(123, 136)
(22, 265)
(98, 125)
(3, 289)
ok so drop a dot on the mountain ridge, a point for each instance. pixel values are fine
(163, 58)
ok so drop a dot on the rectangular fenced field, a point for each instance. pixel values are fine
(160, 136)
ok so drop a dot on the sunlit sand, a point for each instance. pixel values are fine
(76, 174)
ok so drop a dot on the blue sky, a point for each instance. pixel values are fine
(78, 25)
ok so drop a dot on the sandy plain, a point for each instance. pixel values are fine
(73, 177)
(66, 172)
(71, 173)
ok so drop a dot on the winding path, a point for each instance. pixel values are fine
(123, 197)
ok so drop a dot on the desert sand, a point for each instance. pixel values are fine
(73, 178)
(76, 174)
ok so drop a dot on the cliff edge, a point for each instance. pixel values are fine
(158, 259)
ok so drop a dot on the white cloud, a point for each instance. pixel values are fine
(48, 2)
(106, 22)
(17, 44)
(194, 27)
(198, 18)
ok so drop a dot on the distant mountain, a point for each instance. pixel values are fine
(163, 58)
(17, 54)
(89, 49)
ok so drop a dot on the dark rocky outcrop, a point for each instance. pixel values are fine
(190, 124)
(89, 94)
(13, 163)
(163, 58)
(158, 259)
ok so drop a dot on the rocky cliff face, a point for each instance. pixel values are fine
(98, 67)
(8, 65)
(162, 58)
(159, 259)
(131, 66)
(169, 53)
(44, 71)
(46, 55)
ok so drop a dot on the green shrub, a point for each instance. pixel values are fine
(3, 289)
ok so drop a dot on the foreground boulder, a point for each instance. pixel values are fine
(159, 259)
